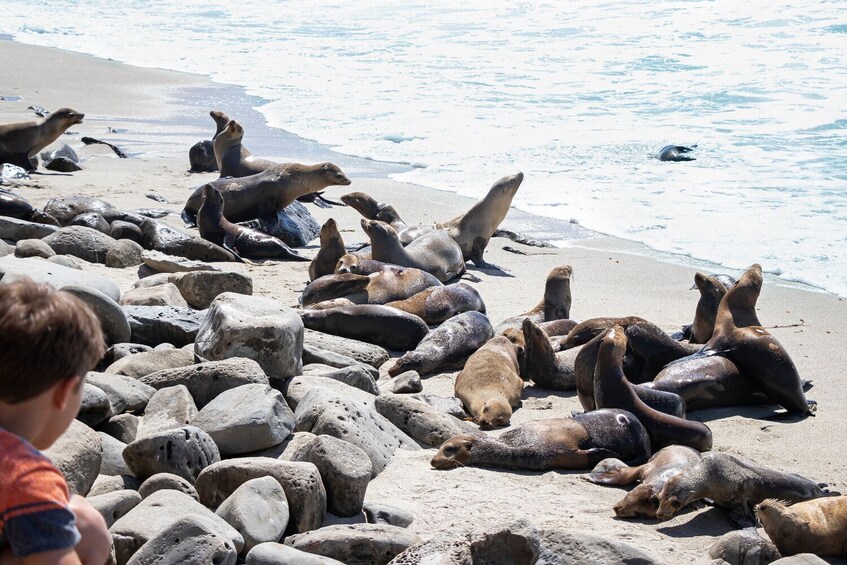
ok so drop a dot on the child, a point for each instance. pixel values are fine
(49, 340)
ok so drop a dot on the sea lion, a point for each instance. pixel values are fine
(21, 141)
(676, 153)
(473, 229)
(240, 240)
(613, 390)
(438, 304)
(447, 346)
(434, 252)
(381, 325)
(816, 526)
(555, 305)
(332, 249)
(234, 160)
(557, 443)
(330, 287)
(489, 386)
(642, 501)
(350, 263)
(14, 206)
(744, 547)
(734, 484)
(541, 365)
(712, 292)
(266, 193)
(381, 287)
(370, 209)
(201, 156)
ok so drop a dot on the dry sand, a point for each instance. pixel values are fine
(157, 116)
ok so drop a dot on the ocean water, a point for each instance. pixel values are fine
(580, 96)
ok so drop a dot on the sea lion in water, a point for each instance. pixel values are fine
(541, 365)
(381, 287)
(21, 141)
(242, 241)
(557, 443)
(815, 526)
(350, 263)
(388, 327)
(372, 210)
(473, 229)
(555, 305)
(642, 501)
(201, 156)
(267, 193)
(438, 304)
(676, 153)
(489, 386)
(234, 160)
(332, 249)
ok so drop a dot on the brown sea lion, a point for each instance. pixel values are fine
(541, 365)
(555, 305)
(473, 229)
(734, 484)
(557, 443)
(351, 263)
(372, 210)
(438, 304)
(613, 390)
(332, 249)
(489, 386)
(21, 141)
(201, 156)
(712, 292)
(381, 325)
(234, 160)
(266, 193)
(814, 526)
(642, 501)
(381, 287)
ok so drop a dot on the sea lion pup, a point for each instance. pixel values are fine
(234, 160)
(473, 229)
(734, 484)
(332, 249)
(381, 325)
(541, 365)
(815, 526)
(739, 337)
(489, 386)
(387, 285)
(351, 263)
(613, 390)
(438, 304)
(267, 193)
(242, 241)
(21, 141)
(642, 501)
(434, 252)
(447, 346)
(676, 153)
(201, 156)
(555, 305)
(370, 209)
(557, 443)
(744, 547)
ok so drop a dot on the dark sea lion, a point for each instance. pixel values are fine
(489, 385)
(201, 156)
(676, 153)
(555, 305)
(381, 325)
(381, 287)
(329, 287)
(733, 484)
(815, 526)
(447, 346)
(92, 220)
(438, 304)
(234, 160)
(642, 501)
(332, 249)
(587, 330)
(712, 292)
(613, 390)
(15, 206)
(350, 263)
(267, 193)
(370, 209)
(557, 443)
(541, 365)
(23, 140)
(473, 229)
(242, 241)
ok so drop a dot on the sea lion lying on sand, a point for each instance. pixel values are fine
(489, 386)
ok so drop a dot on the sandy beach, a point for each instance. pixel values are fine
(157, 115)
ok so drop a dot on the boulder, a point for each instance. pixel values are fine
(420, 420)
(104, 484)
(279, 554)
(114, 505)
(446, 404)
(68, 261)
(141, 364)
(166, 481)
(200, 288)
(192, 540)
(153, 325)
(33, 248)
(41, 271)
(123, 427)
(356, 376)
(119, 351)
(574, 548)
(66, 208)
(124, 394)
(258, 509)
(184, 452)
(288, 448)
(112, 320)
(92, 220)
(125, 230)
(169, 408)
(404, 383)
(387, 514)
(77, 454)
(161, 237)
(163, 263)
(113, 461)
(6, 249)
(124, 253)
(79, 241)
(294, 225)
(358, 544)
(297, 388)
(362, 352)
(312, 354)
(207, 380)
(160, 295)
(744, 547)
(13, 229)
(95, 407)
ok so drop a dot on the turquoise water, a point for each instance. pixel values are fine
(577, 95)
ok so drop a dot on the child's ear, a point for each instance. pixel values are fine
(64, 390)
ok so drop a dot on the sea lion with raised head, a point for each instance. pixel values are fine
(201, 156)
(557, 443)
(541, 365)
(381, 287)
(234, 160)
(370, 209)
(21, 141)
(816, 526)
(712, 291)
(332, 249)
(438, 304)
(555, 305)
(489, 386)
(381, 325)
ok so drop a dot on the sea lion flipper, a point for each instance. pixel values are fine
(189, 218)
(611, 471)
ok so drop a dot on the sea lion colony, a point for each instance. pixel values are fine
(405, 293)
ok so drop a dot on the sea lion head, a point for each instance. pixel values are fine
(507, 186)
(348, 263)
(638, 503)
(233, 131)
(219, 117)
(362, 203)
(614, 342)
(212, 200)
(332, 175)
(671, 499)
(68, 116)
(455, 452)
(329, 231)
(380, 230)
(496, 413)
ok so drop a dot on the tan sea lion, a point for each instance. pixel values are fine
(438, 304)
(201, 156)
(489, 386)
(555, 305)
(815, 526)
(372, 210)
(332, 249)
(351, 263)
(557, 443)
(234, 160)
(541, 364)
(381, 325)
(21, 141)
(642, 501)
(381, 287)
(473, 229)
(712, 292)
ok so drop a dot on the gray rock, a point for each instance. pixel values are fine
(124, 394)
(113, 462)
(68, 261)
(575, 548)
(95, 407)
(345, 470)
(356, 376)
(159, 512)
(142, 364)
(294, 225)
(167, 481)
(163, 263)
(192, 540)
(153, 325)
(279, 554)
(312, 354)
(169, 408)
(33, 248)
(77, 454)
(800, 559)
(420, 420)
(184, 452)
(246, 418)
(297, 388)
(387, 514)
(289, 447)
(331, 519)
(160, 295)
(92, 220)
(207, 380)
(161, 237)
(104, 484)
(114, 505)
(152, 280)
(6, 249)
(123, 427)
(121, 350)
(362, 352)
(41, 271)
(744, 547)
(357, 544)
(125, 230)
(124, 253)
(200, 288)
(13, 229)
(254, 327)
(112, 319)
(404, 383)
(447, 404)
(258, 509)
(79, 241)
(66, 208)
(301, 482)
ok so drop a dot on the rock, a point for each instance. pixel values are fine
(159, 512)
(386, 514)
(294, 225)
(113, 462)
(33, 248)
(312, 354)
(331, 519)
(800, 559)
(13, 229)
(169, 408)
(279, 554)
(404, 383)
(160, 295)
(65, 151)
(183, 452)
(124, 253)
(41, 271)
(300, 481)
(254, 327)
(123, 427)
(345, 471)
(125, 230)
(357, 544)
(575, 548)
(114, 505)
(362, 352)
(70, 262)
(142, 364)
(104, 484)
(246, 418)
(112, 320)
(164, 263)
(207, 380)
(192, 540)
(355, 376)
(77, 454)
(79, 241)
(95, 407)
(258, 509)
(447, 404)
(166, 481)
(6, 249)
(92, 220)
(744, 547)
(66, 208)
(124, 394)
(200, 288)
(285, 450)
(161, 237)
(152, 325)
(121, 350)
(297, 388)
(420, 420)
